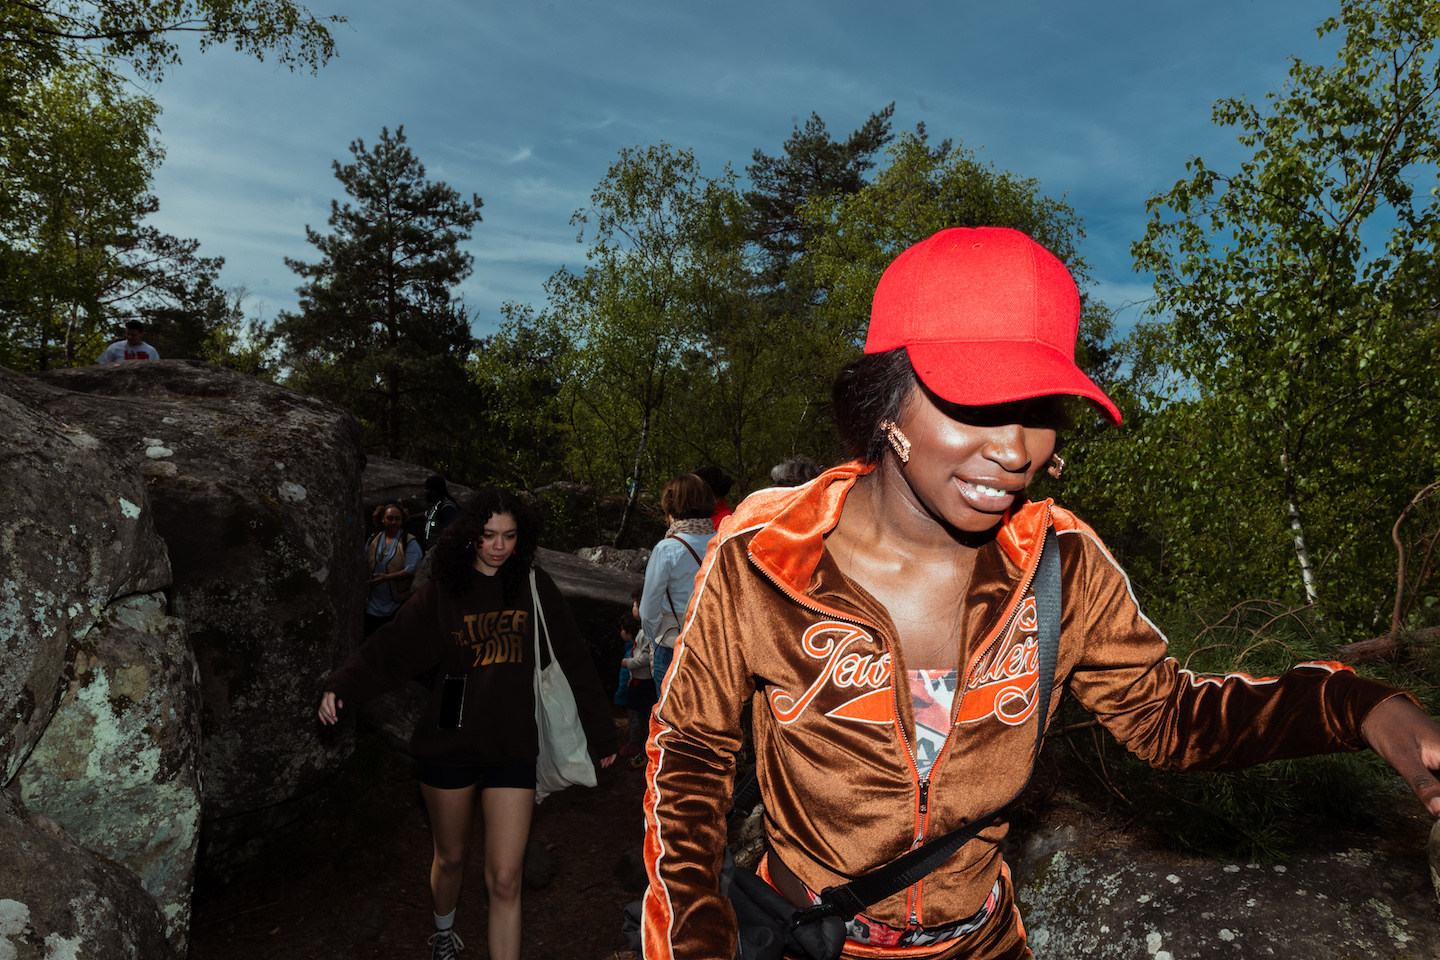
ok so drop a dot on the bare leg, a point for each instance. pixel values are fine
(507, 827)
(450, 815)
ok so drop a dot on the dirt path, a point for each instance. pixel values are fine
(354, 884)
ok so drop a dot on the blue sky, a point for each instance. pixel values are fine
(527, 104)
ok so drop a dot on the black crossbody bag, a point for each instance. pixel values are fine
(769, 924)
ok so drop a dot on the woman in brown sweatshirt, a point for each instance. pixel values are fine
(882, 620)
(476, 621)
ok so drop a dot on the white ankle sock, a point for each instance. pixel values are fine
(445, 922)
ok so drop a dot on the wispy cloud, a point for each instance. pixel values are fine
(527, 105)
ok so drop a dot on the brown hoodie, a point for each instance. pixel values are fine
(773, 618)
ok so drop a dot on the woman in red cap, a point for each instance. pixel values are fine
(885, 620)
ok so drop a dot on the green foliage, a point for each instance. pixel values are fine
(377, 329)
(663, 353)
(1282, 402)
(657, 258)
(632, 311)
(811, 166)
(145, 33)
(520, 371)
(214, 328)
(77, 163)
(77, 154)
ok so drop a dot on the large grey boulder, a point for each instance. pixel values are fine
(116, 767)
(76, 533)
(255, 491)
(386, 481)
(60, 901)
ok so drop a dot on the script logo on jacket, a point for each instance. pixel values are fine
(1001, 685)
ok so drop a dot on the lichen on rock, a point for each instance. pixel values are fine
(117, 766)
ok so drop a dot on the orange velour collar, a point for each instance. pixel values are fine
(793, 522)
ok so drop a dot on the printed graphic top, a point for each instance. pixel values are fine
(121, 350)
(490, 642)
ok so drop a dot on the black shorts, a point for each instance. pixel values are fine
(450, 777)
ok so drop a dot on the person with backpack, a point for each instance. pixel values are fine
(670, 574)
(391, 557)
(441, 510)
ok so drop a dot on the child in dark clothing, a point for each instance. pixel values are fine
(640, 693)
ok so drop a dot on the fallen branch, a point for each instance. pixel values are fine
(1383, 648)
(1400, 569)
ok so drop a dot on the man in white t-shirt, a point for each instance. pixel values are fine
(133, 347)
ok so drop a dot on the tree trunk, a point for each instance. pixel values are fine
(392, 375)
(1302, 552)
(634, 483)
(1397, 615)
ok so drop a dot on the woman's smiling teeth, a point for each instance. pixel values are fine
(985, 497)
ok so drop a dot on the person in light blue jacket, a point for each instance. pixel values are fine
(670, 574)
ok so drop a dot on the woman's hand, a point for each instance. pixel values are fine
(607, 761)
(330, 707)
(1409, 741)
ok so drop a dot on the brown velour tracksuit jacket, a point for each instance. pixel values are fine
(774, 618)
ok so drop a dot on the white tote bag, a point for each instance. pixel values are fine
(564, 758)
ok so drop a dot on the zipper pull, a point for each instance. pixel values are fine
(924, 796)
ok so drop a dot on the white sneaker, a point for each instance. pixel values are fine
(444, 944)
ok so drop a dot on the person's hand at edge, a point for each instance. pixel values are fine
(607, 761)
(1409, 740)
(330, 705)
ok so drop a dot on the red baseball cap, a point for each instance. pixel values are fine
(987, 316)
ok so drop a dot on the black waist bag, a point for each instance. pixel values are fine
(769, 926)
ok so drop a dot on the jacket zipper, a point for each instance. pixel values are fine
(1025, 582)
(922, 784)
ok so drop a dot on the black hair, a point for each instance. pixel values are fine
(715, 478)
(455, 553)
(134, 325)
(872, 389)
(436, 484)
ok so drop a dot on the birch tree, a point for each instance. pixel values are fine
(631, 311)
(1296, 299)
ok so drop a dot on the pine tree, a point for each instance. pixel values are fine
(378, 329)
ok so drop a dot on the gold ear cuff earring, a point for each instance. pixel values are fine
(898, 440)
(1057, 466)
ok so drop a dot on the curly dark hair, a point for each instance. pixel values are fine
(871, 389)
(455, 553)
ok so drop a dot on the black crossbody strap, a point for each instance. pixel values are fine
(851, 898)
